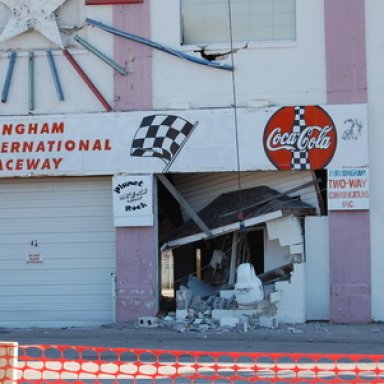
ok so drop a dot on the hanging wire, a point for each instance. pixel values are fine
(234, 100)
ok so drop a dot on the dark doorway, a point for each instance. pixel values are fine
(255, 239)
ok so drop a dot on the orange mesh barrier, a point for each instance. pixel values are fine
(73, 364)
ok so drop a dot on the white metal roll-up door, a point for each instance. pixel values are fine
(57, 252)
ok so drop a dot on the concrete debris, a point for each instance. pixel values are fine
(169, 321)
(183, 298)
(237, 307)
(218, 312)
(229, 321)
(268, 322)
(148, 322)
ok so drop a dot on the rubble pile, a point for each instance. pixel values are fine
(214, 313)
(201, 307)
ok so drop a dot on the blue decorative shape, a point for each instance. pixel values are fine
(56, 79)
(8, 78)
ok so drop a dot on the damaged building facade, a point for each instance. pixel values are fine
(158, 152)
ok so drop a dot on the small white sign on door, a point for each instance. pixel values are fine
(34, 258)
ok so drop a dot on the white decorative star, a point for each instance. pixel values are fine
(32, 14)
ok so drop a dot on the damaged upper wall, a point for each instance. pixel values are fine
(284, 73)
(277, 73)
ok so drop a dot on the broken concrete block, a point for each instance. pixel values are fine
(183, 298)
(191, 314)
(181, 314)
(275, 296)
(268, 322)
(229, 321)
(169, 321)
(242, 327)
(148, 322)
(219, 303)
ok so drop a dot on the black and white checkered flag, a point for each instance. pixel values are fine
(300, 160)
(161, 136)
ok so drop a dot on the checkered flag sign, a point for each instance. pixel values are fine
(161, 136)
(300, 160)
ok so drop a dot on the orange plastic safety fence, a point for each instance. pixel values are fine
(74, 364)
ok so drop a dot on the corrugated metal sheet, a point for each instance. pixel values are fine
(199, 189)
(71, 221)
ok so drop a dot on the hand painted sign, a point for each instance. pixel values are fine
(206, 140)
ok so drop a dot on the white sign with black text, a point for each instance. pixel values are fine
(132, 200)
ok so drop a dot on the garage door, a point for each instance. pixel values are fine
(57, 252)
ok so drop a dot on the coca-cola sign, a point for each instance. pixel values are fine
(300, 138)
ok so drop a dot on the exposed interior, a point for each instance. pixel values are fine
(192, 252)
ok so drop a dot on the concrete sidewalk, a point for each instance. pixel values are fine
(316, 337)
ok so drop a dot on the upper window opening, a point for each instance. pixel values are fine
(208, 21)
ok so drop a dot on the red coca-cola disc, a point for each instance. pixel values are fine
(315, 138)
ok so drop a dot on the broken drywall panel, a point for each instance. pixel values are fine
(287, 230)
(297, 249)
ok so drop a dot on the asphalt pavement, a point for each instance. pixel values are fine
(313, 337)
